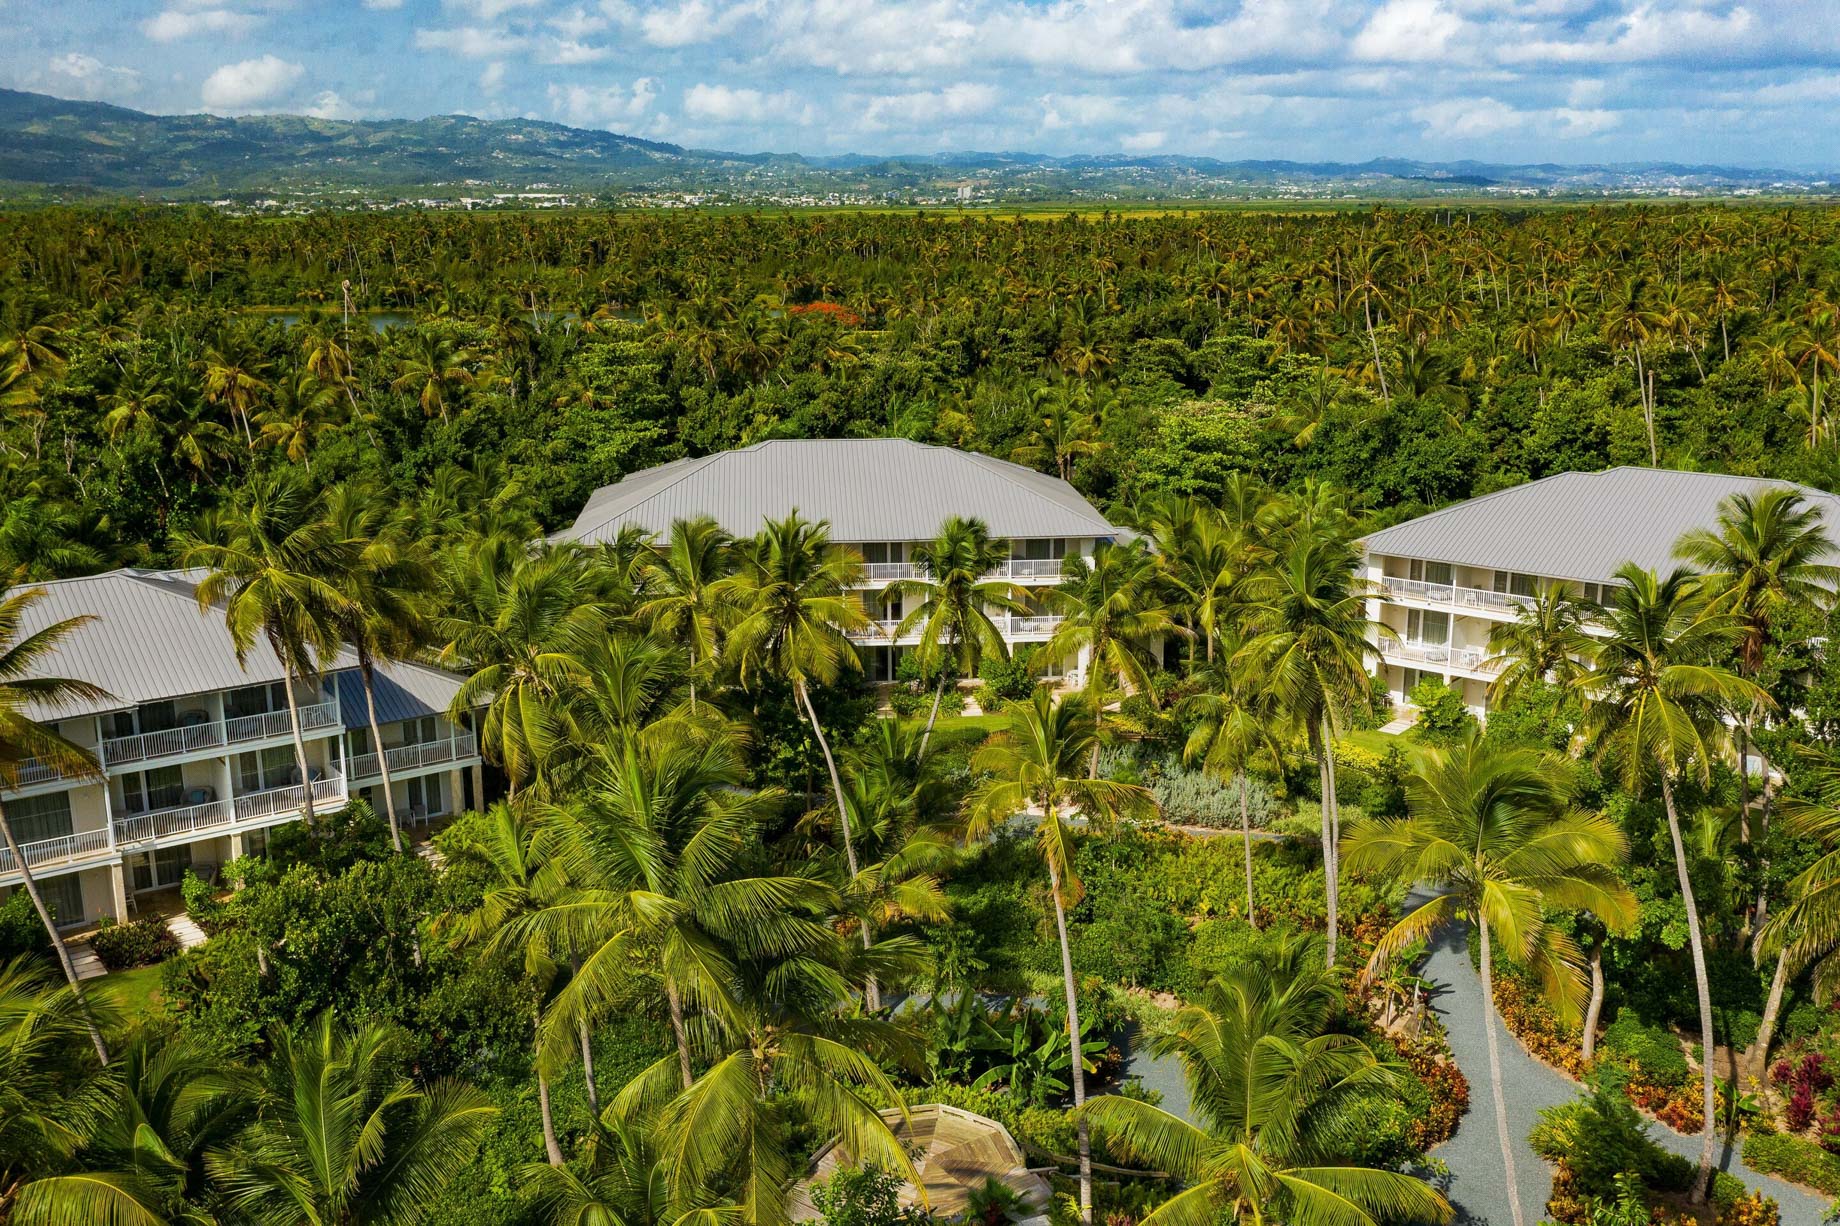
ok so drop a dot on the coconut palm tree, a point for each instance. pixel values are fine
(1238, 721)
(1546, 643)
(434, 370)
(143, 1158)
(1491, 831)
(956, 601)
(625, 1183)
(1272, 1095)
(383, 582)
(47, 1100)
(1112, 613)
(793, 591)
(269, 556)
(1767, 559)
(525, 624)
(1656, 701)
(686, 608)
(1806, 932)
(1308, 637)
(1035, 764)
(340, 1136)
(26, 695)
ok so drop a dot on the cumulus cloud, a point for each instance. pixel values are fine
(1478, 118)
(79, 75)
(572, 51)
(472, 42)
(328, 104)
(1408, 31)
(725, 104)
(921, 108)
(604, 106)
(173, 24)
(248, 83)
(490, 10)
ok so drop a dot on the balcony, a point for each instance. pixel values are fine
(413, 757)
(35, 773)
(1462, 599)
(215, 816)
(215, 734)
(1009, 627)
(258, 805)
(1439, 656)
(876, 573)
(54, 853)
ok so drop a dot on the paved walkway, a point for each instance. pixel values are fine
(1478, 1185)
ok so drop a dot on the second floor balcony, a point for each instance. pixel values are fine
(197, 732)
(1009, 626)
(457, 748)
(1021, 570)
(1454, 596)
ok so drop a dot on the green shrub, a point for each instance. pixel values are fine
(21, 931)
(1010, 679)
(201, 903)
(916, 702)
(1442, 717)
(1803, 1162)
(1198, 798)
(1650, 1049)
(1600, 1136)
(145, 941)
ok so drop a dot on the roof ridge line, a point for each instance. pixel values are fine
(689, 470)
(979, 457)
(1470, 502)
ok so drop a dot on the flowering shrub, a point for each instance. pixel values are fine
(1448, 1087)
(827, 310)
(1805, 1079)
(1532, 1021)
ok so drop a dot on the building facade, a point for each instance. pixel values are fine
(197, 752)
(882, 498)
(1442, 583)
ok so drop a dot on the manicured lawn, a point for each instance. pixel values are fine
(135, 993)
(1377, 742)
(962, 724)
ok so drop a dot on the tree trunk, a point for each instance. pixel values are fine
(1245, 831)
(1379, 370)
(551, 1149)
(932, 717)
(1501, 1101)
(1596, 1008)
(682, 1039)
(1331, 884)
(872, 994)
(1766, 1031)
(300, 747)
(1704, 1177)
(367, 673)
(57, 942)
(587, 1052)
(1077, 1071)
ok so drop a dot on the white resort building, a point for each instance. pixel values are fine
(1442, 582)
(881, 497)
(197, 751)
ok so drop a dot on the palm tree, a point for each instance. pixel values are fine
(1655, 706)
(793, 590)
(47, 1101)
(1060, 431)
(341, 1137)
(433, 370)
(1237, 720)
(687, 609)
(1308, 638)
(1767, 559)
(234, 375)
(625, 1183)
(1272, 1093)
(1112, 613)
(143, 1160)
(25, 695)
(1035, 763)
(1546, 643)
(383, 583)
(956, 632)
(302, 411)
(525, 624)
(1807, 931)
(269, 557)
(1490, 830)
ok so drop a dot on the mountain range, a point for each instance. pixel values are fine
(94, 147)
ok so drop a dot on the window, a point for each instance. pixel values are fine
(1427, 629)
(1040, 548)
(1593, 592)
(882, 551)
(1515, 584)
(420, 731)
(270, 768)
(37, 818)
(1440, 573)
(64, 898)
(160, 788)
(165, 867)
(255, 700)
(425, 795)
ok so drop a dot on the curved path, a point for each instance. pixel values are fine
(1478, 1183)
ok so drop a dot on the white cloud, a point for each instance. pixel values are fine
(235, 87)
(694, 21)
(1143, 142)
(1408, 31)
(1477, 118)
(77, 75)
(1651, 31)
(490, 10)
(607, 106)
(730, 105)
(173, 24)
(578, 23)
(472, 42)
(572, 51)
(924, 108)
(330, 105)
(492, 79)
(383, 5)
(1081, 110)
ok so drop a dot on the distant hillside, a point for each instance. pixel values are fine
(53, 142)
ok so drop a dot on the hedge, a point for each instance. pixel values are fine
(1797, 1160)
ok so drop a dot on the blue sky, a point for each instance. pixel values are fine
(1752, 83)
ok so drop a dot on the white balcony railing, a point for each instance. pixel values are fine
(412, 757)
(882, 630)
(214, 734)
(67, 847)
(257, 805)
(1453, 596)
(33, 772)
(1472, 659)
(165, 823)
(1015, 568)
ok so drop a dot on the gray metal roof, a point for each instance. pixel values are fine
(1580, 526)
(404, 691)
(884, 489)
(148, 640)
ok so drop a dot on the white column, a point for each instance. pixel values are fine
(118, 889)
(456, 792)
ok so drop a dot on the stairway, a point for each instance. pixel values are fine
(87, 964)
(430, 853)
(1400, 722)
(190, 935)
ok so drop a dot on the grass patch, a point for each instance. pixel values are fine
(136, 993)
(959, 725)
(1377, 743)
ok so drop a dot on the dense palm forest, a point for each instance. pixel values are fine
(735, 904)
